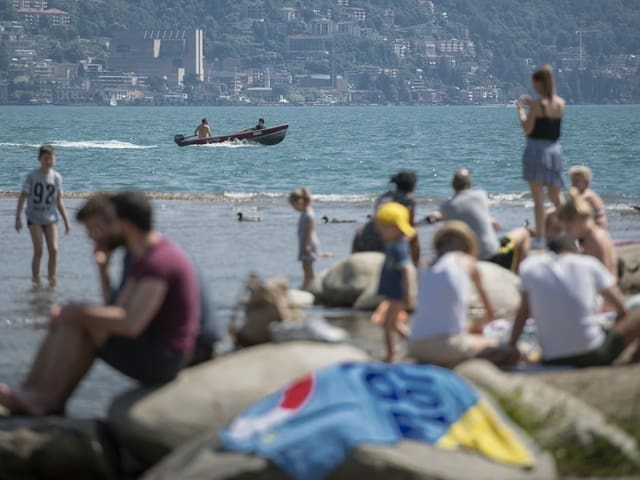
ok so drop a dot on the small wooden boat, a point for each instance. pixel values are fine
(265, 136)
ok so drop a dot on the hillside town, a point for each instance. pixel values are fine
(318, 59)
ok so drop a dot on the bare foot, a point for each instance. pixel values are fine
(20, 401)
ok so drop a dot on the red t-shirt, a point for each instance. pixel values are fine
(176, 321)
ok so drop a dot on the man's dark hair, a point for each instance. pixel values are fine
(46, 149)
(98, 204)
(461, 180)
(405, 180)
(261, 120)
(204, 120)
(135, 208)
(562, 244)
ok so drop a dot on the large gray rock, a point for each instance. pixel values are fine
(502, 286)
(408, 460)
(345, 281)
(55, 448)
(629, 256)
(151, 422)
(559, 422)
(369, 299)
(614, 391)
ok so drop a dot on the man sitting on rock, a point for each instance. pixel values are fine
(148, 334)
(210, 332)
(471, 206)
(559, 290)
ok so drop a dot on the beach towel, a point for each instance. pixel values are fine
(309, 427)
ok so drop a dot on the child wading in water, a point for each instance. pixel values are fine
(394, 225)
(42, 190)
(308, 244)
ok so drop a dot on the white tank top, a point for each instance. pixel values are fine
(443, 296)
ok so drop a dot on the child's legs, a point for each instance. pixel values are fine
(537, 192)
(36, 239)
(394, 310)
(51, 235)
(379, 315)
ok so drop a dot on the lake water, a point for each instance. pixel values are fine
(345, 155)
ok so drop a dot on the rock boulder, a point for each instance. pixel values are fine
(562, 424)
(152, 422)
(345, 281)
(55, 448)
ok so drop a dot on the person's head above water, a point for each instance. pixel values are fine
(261, 121)
(461, 180)
(205, 121)
(405, 180)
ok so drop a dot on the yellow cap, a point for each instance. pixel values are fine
(392, 213)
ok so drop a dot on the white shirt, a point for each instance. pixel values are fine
(443, 296)
(43, 191)
(563, 300)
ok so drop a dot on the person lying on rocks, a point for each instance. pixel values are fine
(471, 206)
(559, 291)
(439, 331)
(209, 332)
(576, 216)
(149, 332)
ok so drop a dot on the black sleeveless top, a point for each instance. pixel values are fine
(546, 128)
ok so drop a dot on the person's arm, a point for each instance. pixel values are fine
(63, 213)
(195, 132)
(476, 279)
(496, 224)
(613, 297)
(527, 119)
(408, 284)
(307, 240)
(521, 318)
(137, 305)
(21, 199)
(434, 217)
(102, 262)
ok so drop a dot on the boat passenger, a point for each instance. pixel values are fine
(203, 130)
(260, 124)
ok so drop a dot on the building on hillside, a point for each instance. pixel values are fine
(570, 58)
(39, 4)
(321, 26)
(306, 44)
(289, 14)
(347, 28)
(358, 13)
(256, 11)
(169, 54)
(35, 16)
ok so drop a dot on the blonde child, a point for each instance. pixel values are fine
(581, 176)
(576, 215)
(42, 191)
(394, 225)
(308, 244)
(440, 333)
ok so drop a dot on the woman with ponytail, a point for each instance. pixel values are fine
(576, 215)
(542, 159)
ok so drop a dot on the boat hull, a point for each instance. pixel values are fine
(266, 136)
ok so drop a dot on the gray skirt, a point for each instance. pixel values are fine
(542, 162)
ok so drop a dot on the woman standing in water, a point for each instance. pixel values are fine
(542, 159)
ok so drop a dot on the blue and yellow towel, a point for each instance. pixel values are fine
(310, 427)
